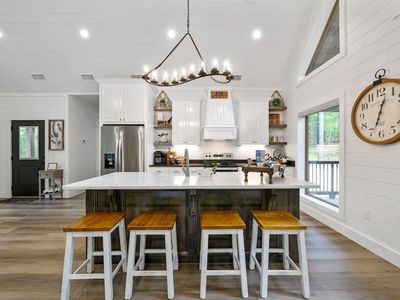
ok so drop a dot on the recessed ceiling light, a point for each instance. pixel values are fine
(171, 33)
(257, 34)
(84, 33)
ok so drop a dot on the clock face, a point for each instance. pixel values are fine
(376, 113)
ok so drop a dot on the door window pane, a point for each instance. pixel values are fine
(28, 142)
(322, 155)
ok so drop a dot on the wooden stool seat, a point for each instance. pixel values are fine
(277, 220)
(95, 222)
(153, 220)
(221, 219)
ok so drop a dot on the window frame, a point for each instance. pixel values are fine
(333, 100)
(315, 40)
(306, 145)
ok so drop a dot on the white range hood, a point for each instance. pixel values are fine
(220, 119)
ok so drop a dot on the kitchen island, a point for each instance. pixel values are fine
(188, 196)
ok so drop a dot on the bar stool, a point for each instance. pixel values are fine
(222, 222)
(152, 223)
(91, 226)
(281, 223)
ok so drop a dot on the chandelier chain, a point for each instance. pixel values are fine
(188, 16)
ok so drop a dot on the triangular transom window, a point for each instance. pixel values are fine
(329, 44)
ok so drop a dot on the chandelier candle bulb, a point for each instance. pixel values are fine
(227, 70)
(192, 71)
(165, 78)
(154, 76)
(183, 74)
(202, 69)
(174, 77)
(214, 66)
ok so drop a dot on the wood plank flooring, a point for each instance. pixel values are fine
(32, 248)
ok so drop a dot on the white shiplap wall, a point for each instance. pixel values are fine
(372, 172)
(29, 107)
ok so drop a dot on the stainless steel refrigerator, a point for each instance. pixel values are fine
(122, 148)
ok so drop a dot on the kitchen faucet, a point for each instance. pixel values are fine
(186, 165)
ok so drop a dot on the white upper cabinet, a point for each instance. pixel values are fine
(122, 103)
(134, 104)
(253, 123)
(186, 122)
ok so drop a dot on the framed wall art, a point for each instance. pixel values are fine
(56, 135)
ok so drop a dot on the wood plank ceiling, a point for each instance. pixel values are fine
(42, 36)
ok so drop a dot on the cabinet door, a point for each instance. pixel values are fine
(261, 123)
(193, 123)
(178, 123)
(186, 123)
(111, 96)
(253, 123)
(133, 104)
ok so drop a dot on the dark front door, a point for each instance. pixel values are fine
(27, 156)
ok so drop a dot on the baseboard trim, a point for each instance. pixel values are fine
(5, 195)
(384, 251)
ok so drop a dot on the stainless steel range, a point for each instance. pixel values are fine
(224, 162)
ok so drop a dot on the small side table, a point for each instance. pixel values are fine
(52, 175)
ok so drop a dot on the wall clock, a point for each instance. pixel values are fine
(376, 113)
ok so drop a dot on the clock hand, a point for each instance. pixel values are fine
(380, 112)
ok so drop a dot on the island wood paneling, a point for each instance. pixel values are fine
(188, 204)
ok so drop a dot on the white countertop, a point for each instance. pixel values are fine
(155, 181)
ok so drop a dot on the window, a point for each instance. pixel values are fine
(322, 154)
(329, 43)
(28, 142)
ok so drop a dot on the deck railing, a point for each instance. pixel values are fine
(326, 174)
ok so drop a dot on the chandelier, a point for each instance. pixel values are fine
(225, 76)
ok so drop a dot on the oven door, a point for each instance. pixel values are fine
(226, 169)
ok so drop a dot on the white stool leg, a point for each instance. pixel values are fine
(301, 241)
(68, 263)
(204, 250)
(242, 261)
(142, 247)
(235, 256)
(285, 243)
(264, 264)
(254, 237)
(131, 264)
(108, 280)
(89, 254)
(175, 248)
(122, 243)
(170, 268)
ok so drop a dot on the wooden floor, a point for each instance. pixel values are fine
(32, 248)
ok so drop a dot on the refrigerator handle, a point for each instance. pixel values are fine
(117, 159)
(122, 151)
(141, 151)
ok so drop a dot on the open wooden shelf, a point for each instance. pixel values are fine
(163, 126)
(278, 126)
(278, 143)
(157, 108)
(278, 108)
(169, 143)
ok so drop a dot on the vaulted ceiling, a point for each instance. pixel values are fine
(42, 36)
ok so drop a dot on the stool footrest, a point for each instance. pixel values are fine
(86, 276)
(152, 251)
(149, 273)
(223, 272)
(220, 250)
(113, 253)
